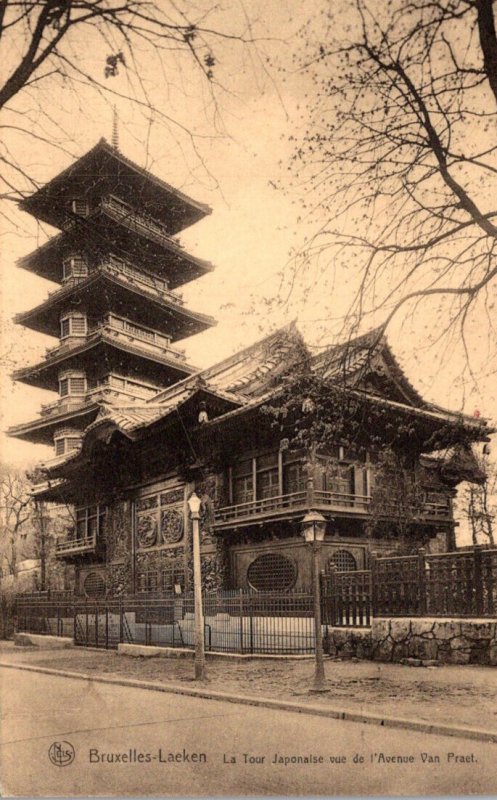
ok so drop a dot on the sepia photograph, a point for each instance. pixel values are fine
(248, 392)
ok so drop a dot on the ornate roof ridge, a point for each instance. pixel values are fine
(103, 145)
(290, 327)
(234, 358)
(370, 344)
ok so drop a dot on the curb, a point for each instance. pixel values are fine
(158, 651)
(281, 705)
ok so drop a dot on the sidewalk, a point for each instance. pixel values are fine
(448, 695)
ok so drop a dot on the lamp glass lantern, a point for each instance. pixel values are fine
(313, 527)
(194, 504)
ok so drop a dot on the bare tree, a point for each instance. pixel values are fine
(400, 156)
(132, 50)
(479, 503)
(28, 527)
(16, 509)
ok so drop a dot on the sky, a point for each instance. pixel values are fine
(238, 167)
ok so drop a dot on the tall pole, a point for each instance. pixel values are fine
(200, 673)
(319, 682)
(42, 544)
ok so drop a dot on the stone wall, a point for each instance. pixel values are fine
(448, 641)
(441, 542)
(420, 641)
(348, 642)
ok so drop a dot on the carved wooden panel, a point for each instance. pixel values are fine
(160, 519)
(172, 524)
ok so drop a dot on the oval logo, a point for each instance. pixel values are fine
(62, 753)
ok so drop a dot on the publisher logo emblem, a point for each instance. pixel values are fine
(61, 754)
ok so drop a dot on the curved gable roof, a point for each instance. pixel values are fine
(367, 362)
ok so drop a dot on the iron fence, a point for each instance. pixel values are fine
(234, 621)
(462, 584)
(44, 614)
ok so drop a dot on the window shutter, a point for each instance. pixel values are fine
(79, 267)
(78, 385)
(67, 268)
(64, 328)
(80, 206)
(78, 325)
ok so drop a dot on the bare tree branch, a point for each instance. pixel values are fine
(400, 155)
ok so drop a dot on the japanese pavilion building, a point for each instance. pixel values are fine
(136, 428)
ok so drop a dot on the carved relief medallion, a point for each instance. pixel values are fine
(172, 524)
(146, 529)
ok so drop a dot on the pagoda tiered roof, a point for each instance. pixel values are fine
(116, 313)
(105, 347)
(110, 229)
(103, 170)
(105, 290)
(41, 430)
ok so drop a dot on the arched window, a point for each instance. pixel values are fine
(343, 560)
(272, 572)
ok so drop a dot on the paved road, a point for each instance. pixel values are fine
(208, 740)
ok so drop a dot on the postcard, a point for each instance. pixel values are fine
(248, 490)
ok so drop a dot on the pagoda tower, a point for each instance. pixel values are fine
(117, 314)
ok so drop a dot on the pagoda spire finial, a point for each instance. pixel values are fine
(115, 131)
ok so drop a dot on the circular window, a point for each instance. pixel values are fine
(94, 585)
(272, 573)
(343, 561)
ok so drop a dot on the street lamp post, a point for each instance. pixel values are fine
(194, 504)
(313, 529)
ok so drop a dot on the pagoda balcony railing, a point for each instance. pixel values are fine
(141, 279)
(69, 546)
(316, 499)
(110, 386)
(62, 406)
(54, 461)
(66, 287)
(148, 338)
(74, 341)
(126, 272)
(121, 211)
(109, 389)
(437, 510)
(124, 330)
